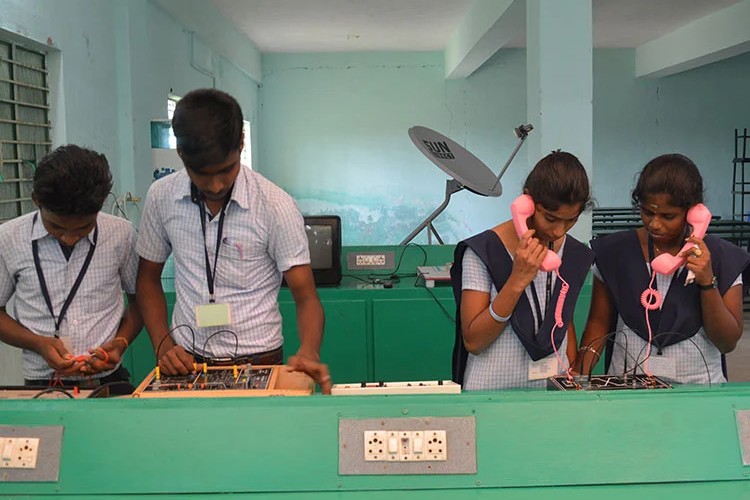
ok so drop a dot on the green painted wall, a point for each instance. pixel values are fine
(334, 133)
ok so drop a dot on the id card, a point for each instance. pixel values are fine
(662, 366)
(67, 342)
(213, 315)
(544, 368)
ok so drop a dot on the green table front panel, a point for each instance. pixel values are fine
(544, 441)
(345, 347)
(413, 339)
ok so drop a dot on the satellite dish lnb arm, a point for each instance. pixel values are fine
(451, 186)
(522, 132)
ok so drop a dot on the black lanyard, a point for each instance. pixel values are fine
(210, 274)
(43, 283)
(537, 305)
(547, 296)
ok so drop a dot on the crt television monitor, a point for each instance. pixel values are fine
(324, 238)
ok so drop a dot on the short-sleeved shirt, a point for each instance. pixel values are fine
(263, 236)
(96, 310)
(504, 364)
(696, 361)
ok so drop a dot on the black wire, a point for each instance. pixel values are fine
(101, 388)
(705, 363)
(169, 334)
(117, 204)
(368, 281)
(236, 343)
(394, 276)
(401, 258)
(437, 301)
(614, 341)
(49, 390)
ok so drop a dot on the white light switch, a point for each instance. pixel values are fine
(393, 444)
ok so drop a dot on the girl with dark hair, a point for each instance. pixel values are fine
(682, 335)
(512, 318)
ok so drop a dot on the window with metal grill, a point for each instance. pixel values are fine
(24, 125)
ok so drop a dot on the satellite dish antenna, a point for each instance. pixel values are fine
(466, 170)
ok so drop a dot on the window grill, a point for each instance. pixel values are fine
(24, 125)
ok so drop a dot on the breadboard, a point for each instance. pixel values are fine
(227, 381)
(606, 383)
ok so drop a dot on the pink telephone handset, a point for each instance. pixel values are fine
(520, 210)
(698, 217)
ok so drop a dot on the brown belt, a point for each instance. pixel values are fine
(274, 357)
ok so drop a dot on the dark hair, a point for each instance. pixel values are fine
(673, 174)
(72, 180)
(559, 179)
(207, 124)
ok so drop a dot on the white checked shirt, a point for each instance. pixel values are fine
(504, 364)
(97, 308)
(263, 236)
(696, 361)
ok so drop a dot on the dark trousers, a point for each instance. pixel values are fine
(120, 380)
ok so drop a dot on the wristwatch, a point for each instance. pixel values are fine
(714, 284)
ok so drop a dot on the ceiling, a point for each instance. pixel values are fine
(426, 25)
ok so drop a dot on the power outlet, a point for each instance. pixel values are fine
(375, 446)
(358, 261)
(436, 448)
(405, 446)
(18, 453)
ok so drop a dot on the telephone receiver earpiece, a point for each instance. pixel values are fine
(520, 210)
(699, 216)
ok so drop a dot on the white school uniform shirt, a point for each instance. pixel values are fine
(263, 235)
(97, 308)
(504, 364)
(695, 361)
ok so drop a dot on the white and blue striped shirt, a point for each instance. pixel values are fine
(504, 364)
(695, 361)
(263, 235)
(97, 308)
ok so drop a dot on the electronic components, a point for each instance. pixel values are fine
(226, 381)
(213, 380)
(605, 383)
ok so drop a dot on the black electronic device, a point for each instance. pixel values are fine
(605, 383)
(324, 239)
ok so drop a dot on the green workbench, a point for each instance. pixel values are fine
(680, 443)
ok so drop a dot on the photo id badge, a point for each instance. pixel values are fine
(544, 368)
(212, 315)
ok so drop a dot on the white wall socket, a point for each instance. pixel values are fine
(405, 446)
(18, 453)
(436, 445)
(375, 446)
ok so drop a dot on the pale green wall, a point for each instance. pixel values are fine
(694, 113)
(334, 132)
(119, 60)
(113, 65)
